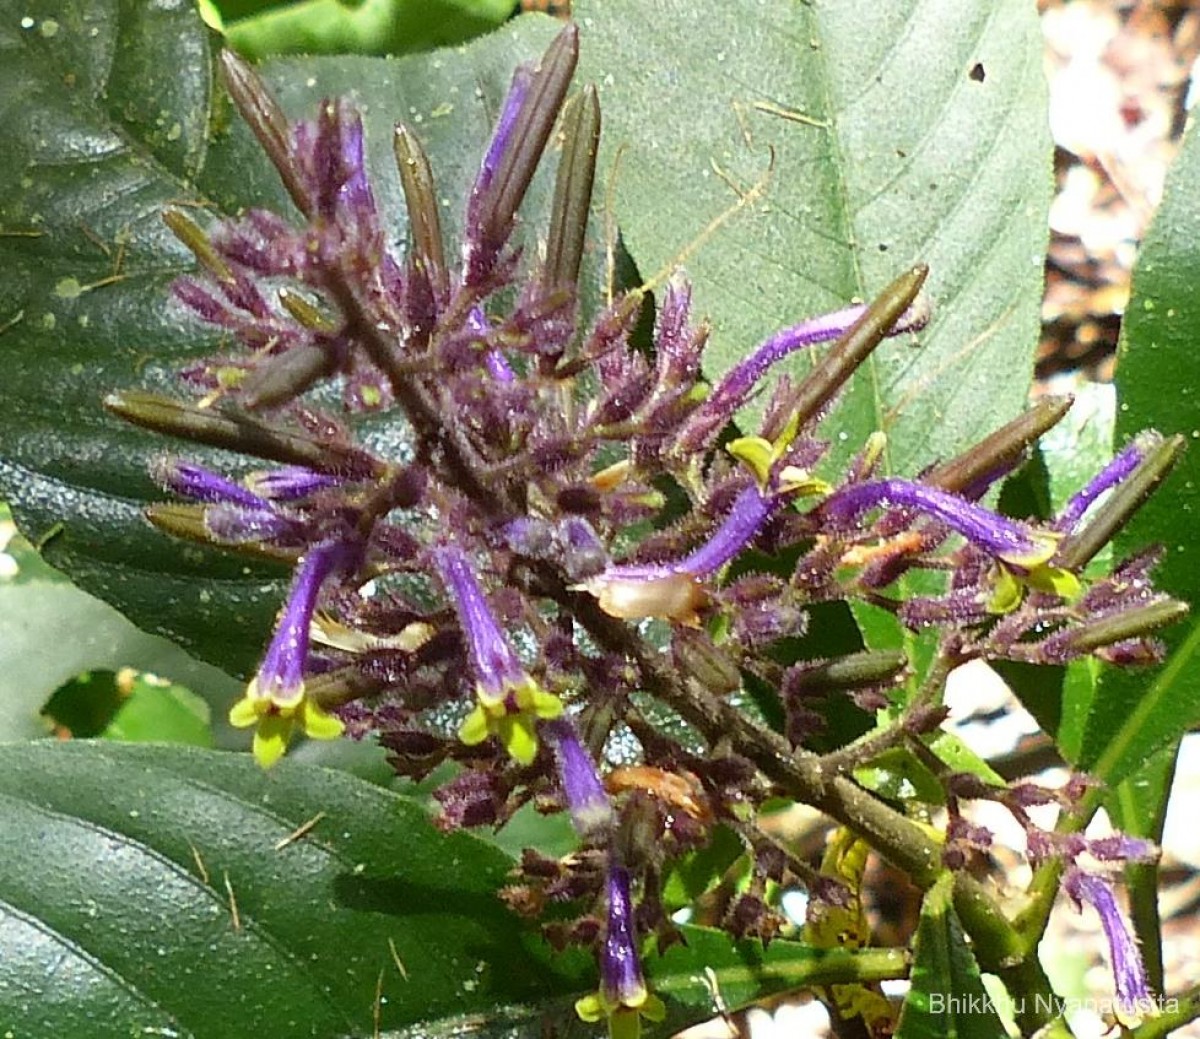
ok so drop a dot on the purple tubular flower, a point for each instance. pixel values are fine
(1129, 974)
(478, 253)
(493, 659)
(620, 967)
(509, 702)
(623, 999)
(1001, 537)
(750, 511)
(281, 674)
(275, 701)
(587, 800)
(290, 482)
(738, 383)
(1112, 474)
(514, 101)
(203, 485)
(672, 590)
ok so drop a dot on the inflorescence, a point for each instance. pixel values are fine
(566, 483)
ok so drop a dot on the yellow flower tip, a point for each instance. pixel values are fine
(624, 1019)
(1006, 593)
(797, 481)
(319, 724)
(271, 738)
(590, 1009)
(247, 710)
(518, 735)
(757, 454)
(1044, 545)
(1054, 580)
(474, 727)
(653, 1009)
(532, 698)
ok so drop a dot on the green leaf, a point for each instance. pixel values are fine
(156, 711)
(148, 888)
(1135, 713)
(899, 775)
(109, 107)
(155, 890)
(902, 131)
(369, 27)
(947, 999)
(87, 635)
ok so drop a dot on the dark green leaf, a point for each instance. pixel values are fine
(1135, 713)
(148, 888)
(887, 152)
(156, 888)
(947, 999)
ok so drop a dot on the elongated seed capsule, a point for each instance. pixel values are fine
(277, 380)
(853, 671)
(266, 121)
(192, 235)
(1076, 550)
(237, 433)
(1093, 635)
(573, 191)
(420, 199)
(999, 451)
(529, 136)
(849, 352)
(304, 312)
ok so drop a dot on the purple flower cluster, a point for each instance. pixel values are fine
(466, 598)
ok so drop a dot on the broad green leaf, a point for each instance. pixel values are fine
(367, 27)
(1135, 713)
(109, 106)
(51, 631)
(157, 711)
(154, 888)
(166, 890)
(947, 999)
(902, 131)
(899, 775)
